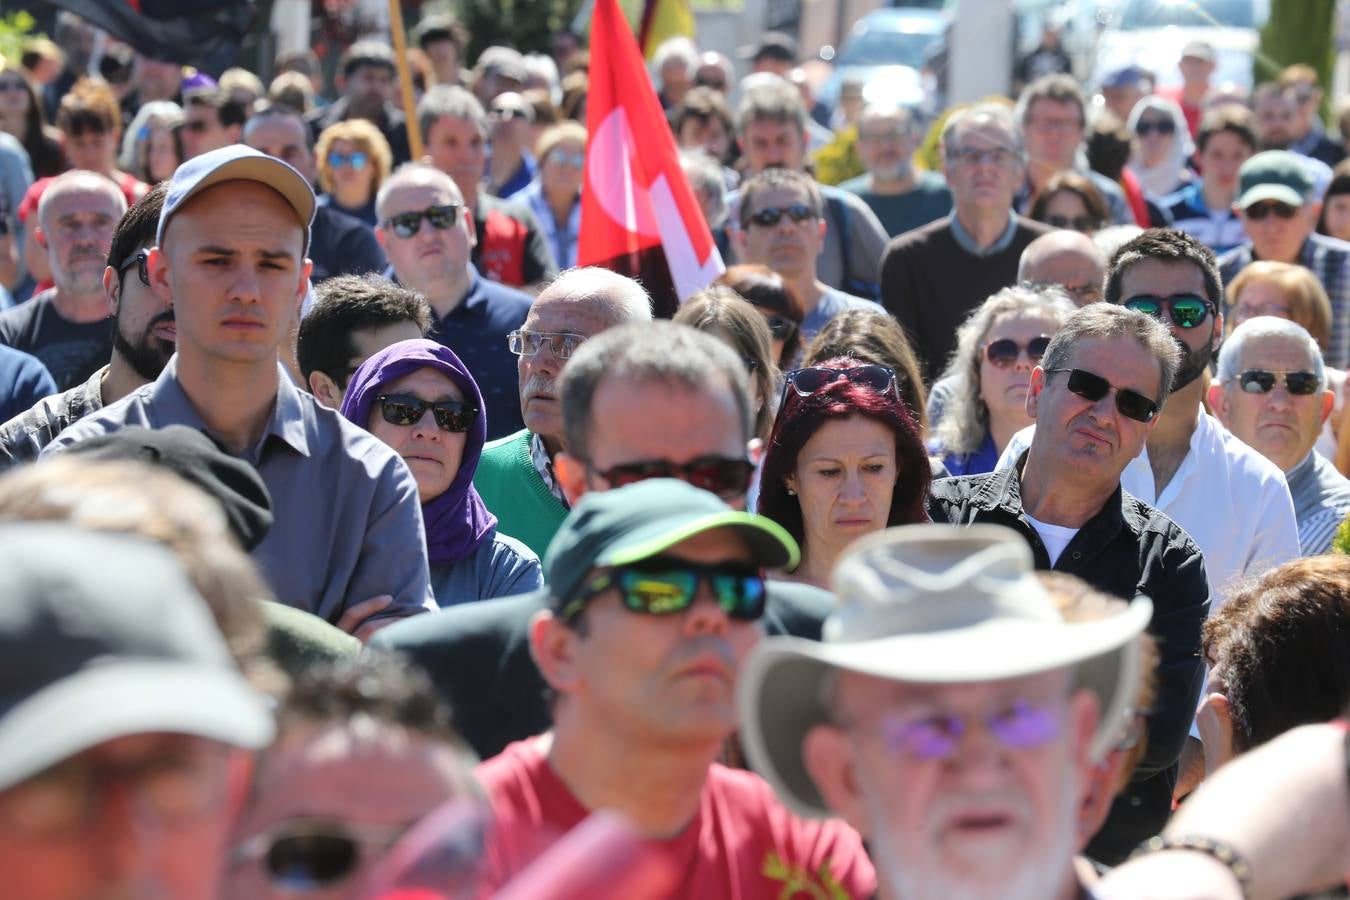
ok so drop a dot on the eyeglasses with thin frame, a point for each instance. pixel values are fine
(454, 416)
(562, 344)
(1262, 381)
(1183, 310)
(770, 216)
(1022, 724)
(664, 587)
(1258, 211)
(809, 380)
(1093, 387)
(442, 217)
(1005, 352)
(141, 262)
(304, 855)
(977, 156)
(727, 477)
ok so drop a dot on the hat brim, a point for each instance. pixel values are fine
(1271, 191)
(266, 170)
(770, 544)
(105, 702)
(779, 690)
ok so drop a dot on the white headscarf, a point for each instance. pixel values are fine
(1167, 176)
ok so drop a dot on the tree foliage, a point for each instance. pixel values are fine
(526, 25)
(1298, 31)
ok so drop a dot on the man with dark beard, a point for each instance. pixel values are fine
(1230, 499)
(143, 339)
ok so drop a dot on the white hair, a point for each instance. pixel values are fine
(1258, 329)
(545, 69)
(79, 181)
(622, 298)
(413, 172)
(676, 49)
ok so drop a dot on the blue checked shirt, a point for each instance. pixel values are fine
(1329, 260)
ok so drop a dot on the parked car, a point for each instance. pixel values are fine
(885, 50)
(1151, 33)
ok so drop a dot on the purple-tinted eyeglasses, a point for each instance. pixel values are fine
(1022, 725)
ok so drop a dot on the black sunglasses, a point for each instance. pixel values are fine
(406, 225)
(1258, 211)
(1089, 386)
(141, 261)
(781, 327)
(665, 587)
(1005, 352)
(1073, 223)
(310, 855)
(813, 378)
(770, 216)
(1161, 126)
(402, 409)
(1185, 310)
(726, 477)
(1259, 381)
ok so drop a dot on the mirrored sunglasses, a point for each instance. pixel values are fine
(1184, 310)
(662, 589)
(1259, 381)
(442, 218)
(772, 215)
(357, 159)
(1093, 387)
(451, 415)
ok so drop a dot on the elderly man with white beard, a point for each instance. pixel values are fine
(515, 474)
(949, 713)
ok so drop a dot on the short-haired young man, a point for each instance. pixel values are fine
(1204, 208)
(367, 78)
(353, 318)
(211, 120)
(144, 337)
(230, 255)
(443, 38)
(653, 599)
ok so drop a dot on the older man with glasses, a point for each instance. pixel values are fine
(1096, 396)
(1272, 392)
(950, 715)
(428, 235)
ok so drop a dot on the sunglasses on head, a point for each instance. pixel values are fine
(1161, 126)
(813, 378)
(1259, 381)
(770, 216)
(1089, 386)
(724, 476)
(560, 343)
(1185, 310)
(1005, 351)
(406, 225)
(1258, 211)
(1073, 223)
(663, 588)
(451, 415)
(357, 159)
(781, 327)
(140, 261)
(1023, 725)
(307, 855)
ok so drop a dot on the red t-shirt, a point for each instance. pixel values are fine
(743, 844)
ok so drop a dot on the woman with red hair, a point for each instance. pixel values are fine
(844, 460)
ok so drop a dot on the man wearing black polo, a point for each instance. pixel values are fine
(1095, 398)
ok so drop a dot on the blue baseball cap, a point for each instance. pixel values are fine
(237, 162)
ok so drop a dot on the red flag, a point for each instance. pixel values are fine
(639, 217)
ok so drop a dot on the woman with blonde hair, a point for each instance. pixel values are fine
(555, 193)
(1266, 288)
(354, 159)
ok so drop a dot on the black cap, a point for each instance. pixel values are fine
(190, 454)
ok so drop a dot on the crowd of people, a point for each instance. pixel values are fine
(980, 532)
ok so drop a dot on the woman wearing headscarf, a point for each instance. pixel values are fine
(1162, 146)
(418, 398)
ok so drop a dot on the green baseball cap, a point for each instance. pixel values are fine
(632, 523)
(1274, 175)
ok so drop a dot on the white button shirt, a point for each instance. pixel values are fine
(1232, 501)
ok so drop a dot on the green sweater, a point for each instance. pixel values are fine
(513, 492)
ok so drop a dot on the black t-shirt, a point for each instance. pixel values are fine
(341, 244)
(71, 351)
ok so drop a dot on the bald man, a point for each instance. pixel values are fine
(1068, 259)
(66, 325)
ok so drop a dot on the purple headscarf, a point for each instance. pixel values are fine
(456, 521)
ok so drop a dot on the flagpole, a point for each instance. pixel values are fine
(405, 79)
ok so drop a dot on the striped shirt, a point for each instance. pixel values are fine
(1321, 502)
